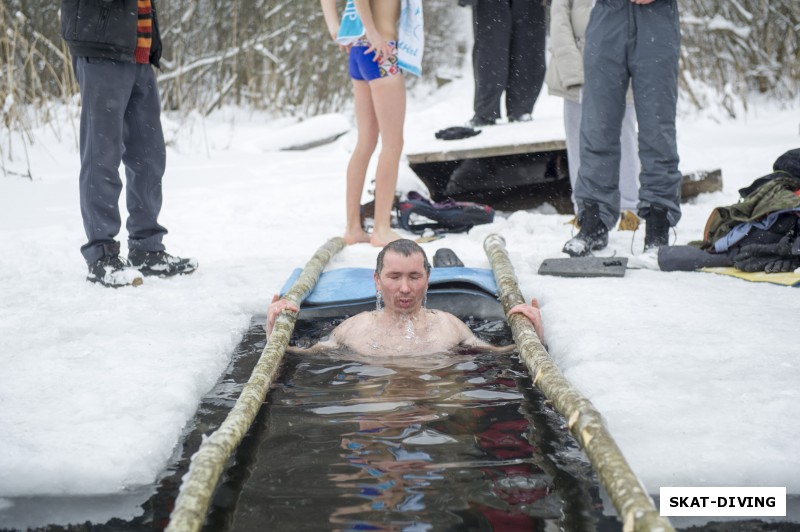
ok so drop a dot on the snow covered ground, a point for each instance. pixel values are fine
(696, 374)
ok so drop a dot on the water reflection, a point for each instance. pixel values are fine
(411, 443)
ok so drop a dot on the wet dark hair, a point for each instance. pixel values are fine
(405, 248)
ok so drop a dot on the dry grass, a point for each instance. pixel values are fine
(275, 55)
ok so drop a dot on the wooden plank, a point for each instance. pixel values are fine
(486, 151)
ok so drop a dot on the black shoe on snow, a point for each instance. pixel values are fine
(160, 263)
(593, 234)
(479, 121)
(656, 230)
(113, 271)
(525, 117)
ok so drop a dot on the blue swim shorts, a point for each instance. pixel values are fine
(363, 68)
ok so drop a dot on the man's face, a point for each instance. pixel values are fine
(403, 282)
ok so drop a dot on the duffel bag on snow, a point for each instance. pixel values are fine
(418, 213)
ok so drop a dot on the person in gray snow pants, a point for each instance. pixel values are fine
(114, 46)
(120, 121)
(636, 41)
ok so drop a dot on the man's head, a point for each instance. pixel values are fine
(401, 275)
(405, 248)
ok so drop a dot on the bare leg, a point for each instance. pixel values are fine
(389, 102)
(367, 125)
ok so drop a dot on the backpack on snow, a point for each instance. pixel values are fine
(418, 213)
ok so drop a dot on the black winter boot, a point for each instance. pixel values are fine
(593, 234)
(112, 270)
(656, 231)
(161, 263)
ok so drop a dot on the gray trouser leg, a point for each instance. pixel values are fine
(629, 157)
(119, 120)
(623, 41)
(654, 69)
(605, 86)
(145, 159)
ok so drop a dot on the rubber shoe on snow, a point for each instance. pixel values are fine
(593, 234)
(160, 263)
(113, 271)
(656, 229)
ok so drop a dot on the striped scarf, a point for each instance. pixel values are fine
(144, 32)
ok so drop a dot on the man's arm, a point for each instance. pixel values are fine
(320, 347)
(468, 340)
(531, 312)
(277, 306)
(336, 340)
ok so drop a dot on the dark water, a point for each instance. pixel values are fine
(463, 443)
(453, 442)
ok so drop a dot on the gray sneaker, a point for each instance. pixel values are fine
(161, 263)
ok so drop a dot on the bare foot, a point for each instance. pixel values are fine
(380, 238)
(356, 237)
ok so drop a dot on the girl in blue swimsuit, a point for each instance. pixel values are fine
(380, 107)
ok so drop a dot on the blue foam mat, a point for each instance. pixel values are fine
(354, 284)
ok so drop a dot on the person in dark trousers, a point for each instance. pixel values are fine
(113, 45)
(636, 41)
(508, 56)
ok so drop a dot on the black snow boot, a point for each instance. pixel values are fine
(160, 263)
(656, 231)
(112, 270)
(593, 234)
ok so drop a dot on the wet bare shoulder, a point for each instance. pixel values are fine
(341, 336)
(352, 328)
(468, 339)
(458, 327)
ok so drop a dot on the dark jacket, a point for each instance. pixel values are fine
(787, 165)
(775, 195)
(105, 28)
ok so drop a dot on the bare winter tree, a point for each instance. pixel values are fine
(269, 54)
(34, 75)
(259, 53)
(739, 47)
(276, 55)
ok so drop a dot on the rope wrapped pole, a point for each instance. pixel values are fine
(207, 464)
(633, 505)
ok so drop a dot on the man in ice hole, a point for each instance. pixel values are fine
(403, 325)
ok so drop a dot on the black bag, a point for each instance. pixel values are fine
(417, 213)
